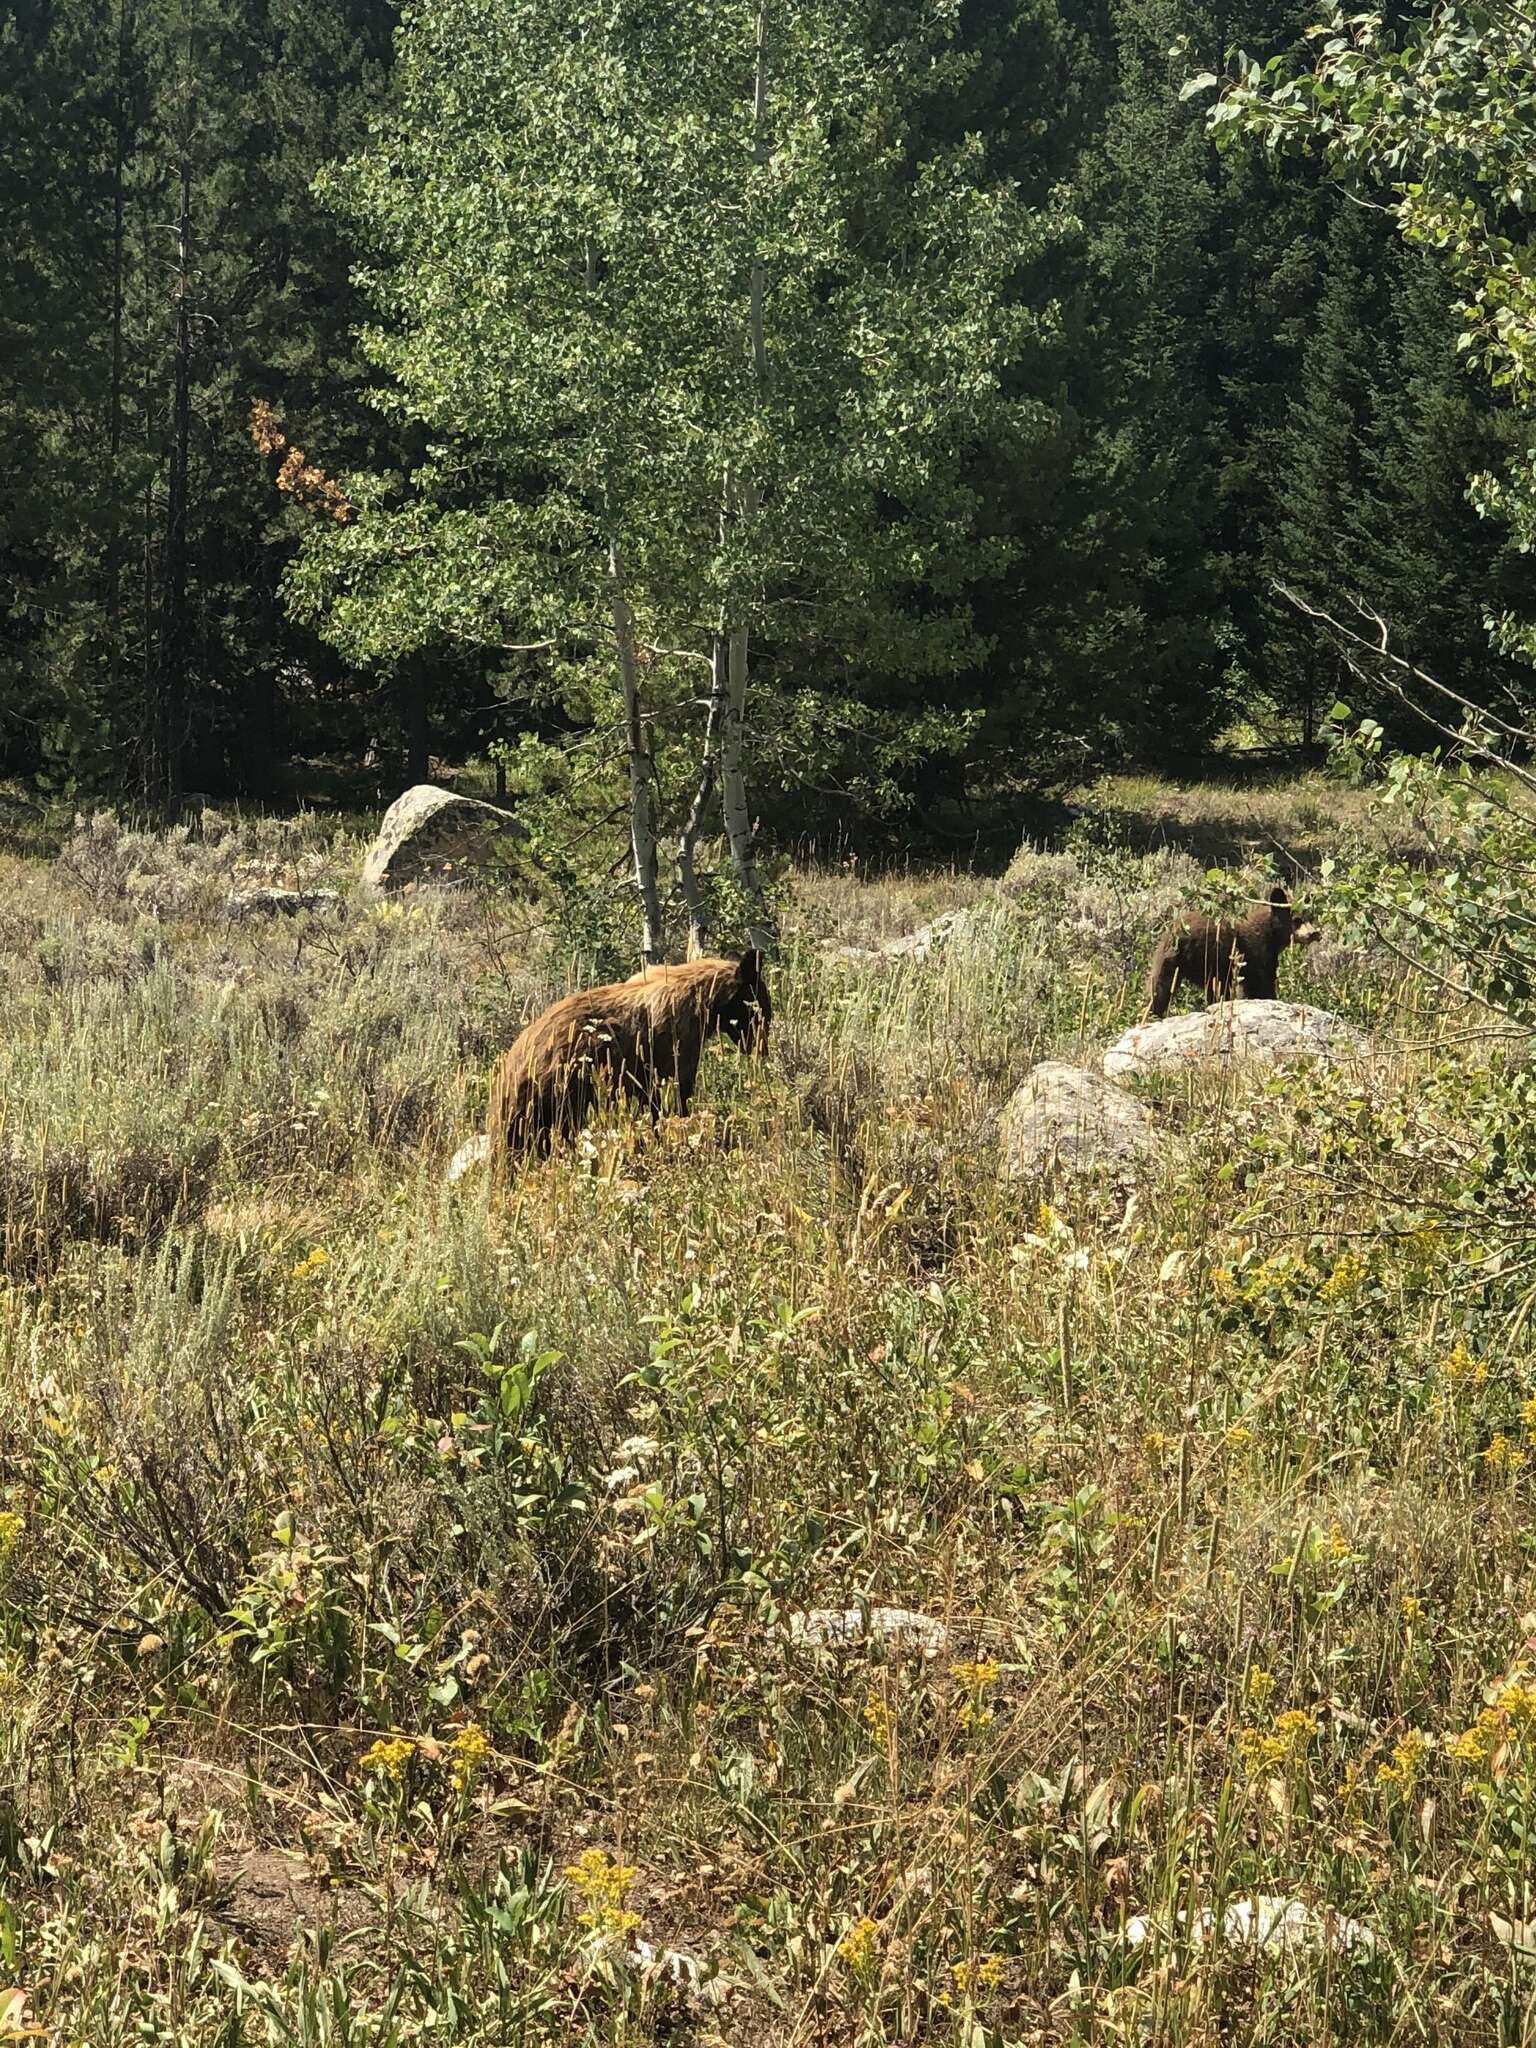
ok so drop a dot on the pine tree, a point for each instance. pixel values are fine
(1320, 510)
(167, 260)
(1428, 562)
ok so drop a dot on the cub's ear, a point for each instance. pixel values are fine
(1279, 896)
(749, 969)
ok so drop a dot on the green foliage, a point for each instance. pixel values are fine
(704, 323)
(1467, 915)
(101, 106)
(1435, 115)
(1052, 391)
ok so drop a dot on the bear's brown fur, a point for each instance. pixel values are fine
(640, 1039)
(1229, 959)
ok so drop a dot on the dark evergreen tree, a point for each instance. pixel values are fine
(1318, 503)
(1428, 563)
(168, 266)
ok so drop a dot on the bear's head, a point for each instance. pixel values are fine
(743, 1009)
(1283, 921)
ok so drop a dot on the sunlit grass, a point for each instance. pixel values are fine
(396, 1582)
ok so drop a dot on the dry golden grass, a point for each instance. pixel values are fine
(398, 1587)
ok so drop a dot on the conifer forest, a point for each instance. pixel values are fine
(945, 351)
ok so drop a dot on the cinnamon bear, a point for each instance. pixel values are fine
(640, 1039)
(1230, 959)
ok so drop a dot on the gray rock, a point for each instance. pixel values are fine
(474, 1152)
(1072, 1119)
(928, 938)
(431, 835)
(1265, 1922)
(838, 1628)
(922, 944)
(1227, 1034)
(279, 902)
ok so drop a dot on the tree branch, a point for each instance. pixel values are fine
(1374, 662)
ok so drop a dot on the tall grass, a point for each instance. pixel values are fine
(399, 1585)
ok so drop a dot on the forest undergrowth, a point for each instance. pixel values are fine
(404, 1590)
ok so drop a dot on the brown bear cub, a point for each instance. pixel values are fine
(1229, 960)
(640, 1039)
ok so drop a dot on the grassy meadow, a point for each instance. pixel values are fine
(399, 1582)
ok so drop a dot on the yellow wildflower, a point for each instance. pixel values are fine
(467, 1753)
(1407, 1756)
(984, 1975)
(974, 1676)
(1296, 1727)
(389, 1758)
(878, 1717)
(1517, 1703)
(307, 1267)
(1413, 1608)
(1502, 1457)
(603, 1883)
(1261, 1683)
(860, 1945)
(1476, 1744)
(1461, 1368)
(11, 1526)
(1349, 1270)
(1154, 1443)
(1250, 1748)
(1238, 1439)
(1528, 1417)
(1285, 1743)
(1270, 1277)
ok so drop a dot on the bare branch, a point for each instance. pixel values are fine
(673, 653)
(1374, 662)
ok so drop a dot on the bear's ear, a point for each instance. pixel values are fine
(1279, 896)
(749, 969)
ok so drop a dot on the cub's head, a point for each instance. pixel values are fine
(743, 1009)
(1290, 930)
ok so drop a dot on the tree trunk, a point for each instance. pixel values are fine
(417, 726)
(742, 498)
(735, 810)
(149, 561)
(760, 156)
(122, 137)
(699, 931)
(171, 705)
(642, 817)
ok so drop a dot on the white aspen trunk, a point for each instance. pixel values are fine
(760, 156)
(743, 499)
(699, 929)
(735, 811)
(642, 819)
